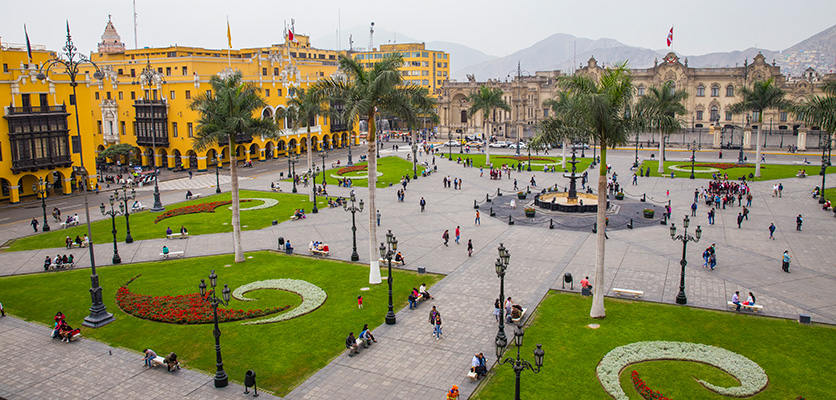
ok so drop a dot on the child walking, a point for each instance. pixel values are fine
(360, 302)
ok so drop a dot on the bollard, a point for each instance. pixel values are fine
(487, 198)
(510, 220)
(595, 228)
(664, 220)
(630, 225)
(493, 214)
(643, 197)
(551, 223)
(475, 206)
(498, 192)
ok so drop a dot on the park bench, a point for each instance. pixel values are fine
(319, 252)
(157, 361)
(172, 254)
(522, 315)
(276, 189)
(63, 265)
(66, 225)
(636, 293)
(138, 208)
(361, 344)
(751, 307)
(472, 375)
(178, 235)
(195, 196)
(382, 261)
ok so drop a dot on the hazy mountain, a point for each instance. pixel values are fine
(460, 55)
(731, 58)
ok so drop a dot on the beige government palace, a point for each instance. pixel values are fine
(710, 93)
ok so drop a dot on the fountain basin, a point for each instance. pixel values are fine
(560, 201)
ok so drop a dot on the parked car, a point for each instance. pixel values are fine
(580, 145)
(498, 145)
(520, 145)
(452, 143)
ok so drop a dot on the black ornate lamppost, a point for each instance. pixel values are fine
(41, 188)
(350, 162)
(69, 60)
(125, 198)
(684, 238)
(693, 147)
(414, 160)
(450, 139)
(636, 160)
(112, 213)
(742, 134)
(353, 208)
(314, 174)
(218, 165)
(519, 364)
(387, 252)
(529, 158)
(221, 380)
(501, 266)
(150, 76)
(293, 159)
(323, 154)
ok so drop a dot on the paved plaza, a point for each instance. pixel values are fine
(408, 362)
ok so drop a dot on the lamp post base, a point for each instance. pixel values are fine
(158, 205)
(116, 259)
(390, 318)
(45, 227)
(98, 316)
(681, 299)
(129, 239)
(314, 210)
(355, 256)
(221, 380)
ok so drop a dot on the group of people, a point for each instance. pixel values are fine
(318, 246)
(750, 301)
(455, 183)
(345, 182)
(78, 241)
(170, 361)
(417, 295)
(183, 231)
(299, 213)
(336, 203)
(60, 261)
(62, 329)
(512, 311)
(365, 339)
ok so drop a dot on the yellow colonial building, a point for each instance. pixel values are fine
(39, 139)
(144, 98)
(422, 67)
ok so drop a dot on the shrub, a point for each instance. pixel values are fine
(194, 209)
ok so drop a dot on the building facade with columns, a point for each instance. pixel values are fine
(711, 92)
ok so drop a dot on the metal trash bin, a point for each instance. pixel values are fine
(281, 243)
(567, 278)
(249, 382)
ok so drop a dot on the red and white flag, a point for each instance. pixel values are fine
(291, 37)
(670, 37)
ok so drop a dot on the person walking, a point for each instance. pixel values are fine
(446, 237)
(749, 200)
(478, 220)
(378, 217)
(34, 224)
(711, 216)
(712, 257)
(694, 209)
(798, 222)
(458, 233)
(780, 189)
(745, 213)
(785, 261)
(706, 256)
(497, 306)
(469, 248)
(437, 326)
(772, 231)
(423, 204)
(739, 219)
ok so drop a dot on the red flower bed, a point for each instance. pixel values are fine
(726, 165)
(644, 391)
(353, 168)
(194, 209)
(185, 309)
(525, 158)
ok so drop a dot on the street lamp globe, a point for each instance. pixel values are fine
(539, 353)
(518, 336)
(202, 287)
(673, 230)
(361, 204)
(226, 291)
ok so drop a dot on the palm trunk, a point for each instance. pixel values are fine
(310, 166)
(374, 264)
(236, 208)
(598, 310)
(758, 153)
(487, 143)
(661, 169)
(564, 154)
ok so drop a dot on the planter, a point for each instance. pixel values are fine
(649, 213)
(529, 214)
(521, 196)
(619, 196)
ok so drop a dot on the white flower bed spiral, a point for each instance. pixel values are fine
(697, 170)
(751, 376)
(267, 204)
(352, 177)
(312, 297)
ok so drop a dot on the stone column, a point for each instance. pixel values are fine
(14, 194)
(262, 154)
(747, 137)
(184, 162)
(715, 133)
(67, 188)
(802, 138)
(170, 161)
(201, 164)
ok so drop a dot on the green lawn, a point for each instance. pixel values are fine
(393, 169)
(537, 162)
(797, 359)
(830, 193)
(768, 171)
(283, 354)
(143, 227)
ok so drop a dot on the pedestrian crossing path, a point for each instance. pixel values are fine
(201, 181)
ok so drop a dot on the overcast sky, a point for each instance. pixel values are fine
(494, 27)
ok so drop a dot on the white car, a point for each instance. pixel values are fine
(520, 145)
(498, 145)
(452, 143)
(580, 146)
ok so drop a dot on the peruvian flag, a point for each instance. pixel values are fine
(670, 37)
(291, 37)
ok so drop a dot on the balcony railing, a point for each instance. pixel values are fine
(36, 110)
(41, 163)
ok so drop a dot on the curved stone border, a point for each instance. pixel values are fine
(312, 297)
(379, 174)
(751, 376)
(267, 204)
(697, 170)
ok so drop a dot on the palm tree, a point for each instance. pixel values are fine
(762, 96)
(364, 93)
(598, 111)
(232, 109)
(661, 105)
(303, 109)
(819, 110)
(565, 126)
(487, 100)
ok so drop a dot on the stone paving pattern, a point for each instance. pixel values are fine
(408, 362)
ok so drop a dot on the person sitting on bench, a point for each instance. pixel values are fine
(148, 356)
(351, 344)
(585, 284)
(59, 263)
(399, 258)
(78, 240)
(171, 362)
(47, 263)
(70, 260)
(183, 231)
(425, 295)
(366, 334)
(168, 231)
(189, 195)
(65, 260)
(516, 311)
(165, 250)
(750, 301)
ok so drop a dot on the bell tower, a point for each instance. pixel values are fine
(111, 42)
